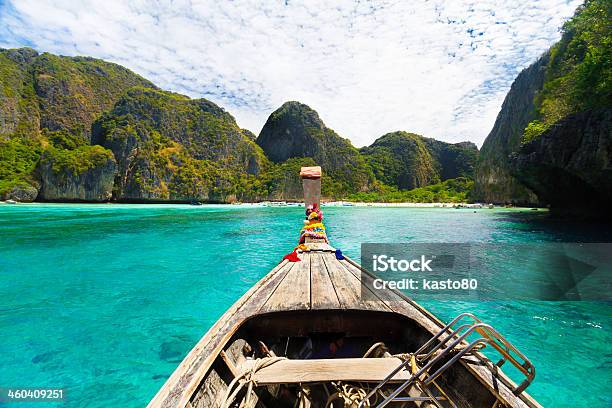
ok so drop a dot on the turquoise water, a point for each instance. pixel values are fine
(105, 300)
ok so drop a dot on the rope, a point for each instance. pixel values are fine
(303, 400)
(248, 378)
(350, 396)
(456, 349)
(374, 347)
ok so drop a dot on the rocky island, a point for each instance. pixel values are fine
(82, 129)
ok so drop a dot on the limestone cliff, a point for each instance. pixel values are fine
(68, 125)
(556, 114)
(569, 166)
(171, 147)
(402, 159)
(406, 160)
(296, 131)
(88, 179)
(57, 92)
(42, 93)
(494, 182)
(453, 160)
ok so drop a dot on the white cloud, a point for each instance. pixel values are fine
(436, 68)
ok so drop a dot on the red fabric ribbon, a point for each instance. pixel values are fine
(292, 257)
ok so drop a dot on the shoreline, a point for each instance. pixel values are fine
(281, 204)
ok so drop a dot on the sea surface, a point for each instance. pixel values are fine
(105, 300)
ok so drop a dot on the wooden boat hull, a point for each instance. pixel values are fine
(314, 300)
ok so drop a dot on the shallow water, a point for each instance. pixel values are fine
(105, 300)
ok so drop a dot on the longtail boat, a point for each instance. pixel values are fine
(305, 336)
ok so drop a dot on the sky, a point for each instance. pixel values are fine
(437, 68)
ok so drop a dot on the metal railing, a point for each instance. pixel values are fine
(434, 352)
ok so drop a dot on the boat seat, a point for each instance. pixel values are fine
(326, 370)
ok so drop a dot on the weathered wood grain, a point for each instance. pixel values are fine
(344, 369)
(209, 395)
(323, 294)
(293, 293)
(346, 286)
(393, 300)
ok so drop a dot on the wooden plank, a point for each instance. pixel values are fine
(367, 297)
(375, 299)
(210, 392)
(325, 370)
(270, 293)
(229, 363)
(293, 293)
(393, 300)
(346, 286)
(323, 294)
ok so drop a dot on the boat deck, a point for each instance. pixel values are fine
(318, 281)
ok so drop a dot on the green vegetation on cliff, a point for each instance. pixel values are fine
(171, 147)
(45, 91)
(405, 160)
(402, 160)
(19, 108)
(73, 92)
(396, 161)
(75, 161)
(579, 71)
(295, 131)
(48, 103)
(18, 160)
(448, 191)
(453, 160)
